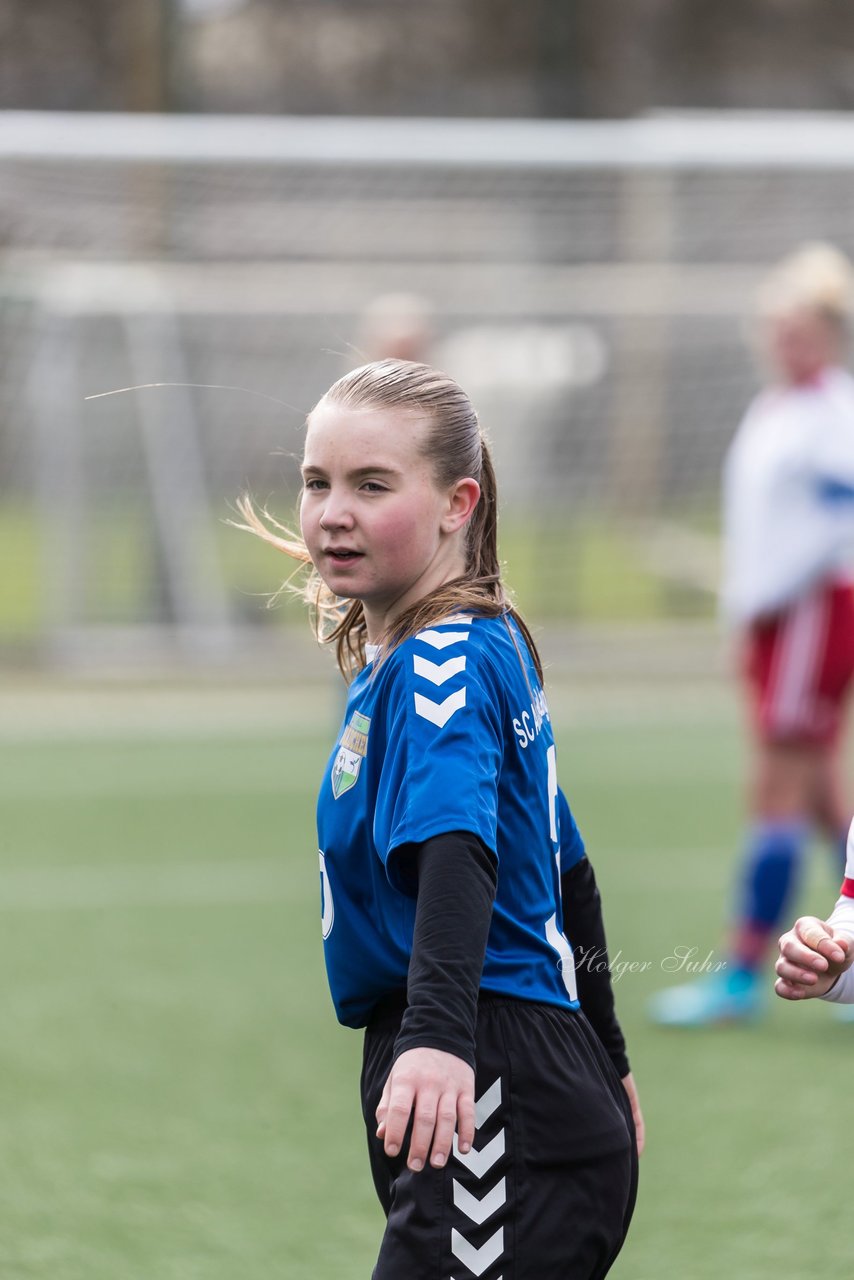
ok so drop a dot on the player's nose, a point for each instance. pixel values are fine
(337, 512)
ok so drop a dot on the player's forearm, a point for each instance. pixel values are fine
(456, 890)
(585, 928)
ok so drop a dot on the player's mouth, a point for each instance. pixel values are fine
(342, 555)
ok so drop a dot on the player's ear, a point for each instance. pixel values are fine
(462, 499)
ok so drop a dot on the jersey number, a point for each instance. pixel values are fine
(551, 765)
(327, 907)
(554, 937)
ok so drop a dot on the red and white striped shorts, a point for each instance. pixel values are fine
(799, 664)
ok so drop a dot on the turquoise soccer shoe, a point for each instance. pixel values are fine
(736, 996)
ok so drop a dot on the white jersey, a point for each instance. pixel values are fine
(789, 495)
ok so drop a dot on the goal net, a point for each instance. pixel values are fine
(590, 284)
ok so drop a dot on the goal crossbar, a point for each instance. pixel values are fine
(771, 140)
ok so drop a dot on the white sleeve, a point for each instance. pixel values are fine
(842, 919)
(849, 854)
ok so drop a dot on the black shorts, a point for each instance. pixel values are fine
(547, 1191)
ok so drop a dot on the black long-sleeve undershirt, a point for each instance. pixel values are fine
(456, 890)
(585, 928)
(456, 877)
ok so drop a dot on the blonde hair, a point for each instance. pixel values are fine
(816, 277)
(456, 447)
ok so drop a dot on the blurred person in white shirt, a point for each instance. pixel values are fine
(788, 511)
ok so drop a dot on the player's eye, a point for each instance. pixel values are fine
(374, 486)
(314, 485)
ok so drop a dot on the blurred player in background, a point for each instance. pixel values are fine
(396, 326)
(500, 1134)
(788, 511)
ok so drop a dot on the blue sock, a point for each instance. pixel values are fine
(770, 872)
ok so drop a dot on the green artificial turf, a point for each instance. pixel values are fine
(177, 1099)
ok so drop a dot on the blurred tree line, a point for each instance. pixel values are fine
(447, 57)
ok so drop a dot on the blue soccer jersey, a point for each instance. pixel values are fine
(450, 732)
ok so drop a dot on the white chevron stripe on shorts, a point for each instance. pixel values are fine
(487, 1103)
(478, 1208)
(477, 1260)
(480, 1162)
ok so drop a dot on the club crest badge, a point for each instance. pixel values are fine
(352, 750)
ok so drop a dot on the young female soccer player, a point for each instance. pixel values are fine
(502, 1141)
(789, 535)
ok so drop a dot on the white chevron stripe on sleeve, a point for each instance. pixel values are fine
(441, 639)
(477, 1260)
(439, 713)
(487, 1103)
(479, 1210)
(480, 1162)
(436, 672)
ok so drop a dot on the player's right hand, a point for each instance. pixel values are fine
(812, 956)
(435, 1089)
